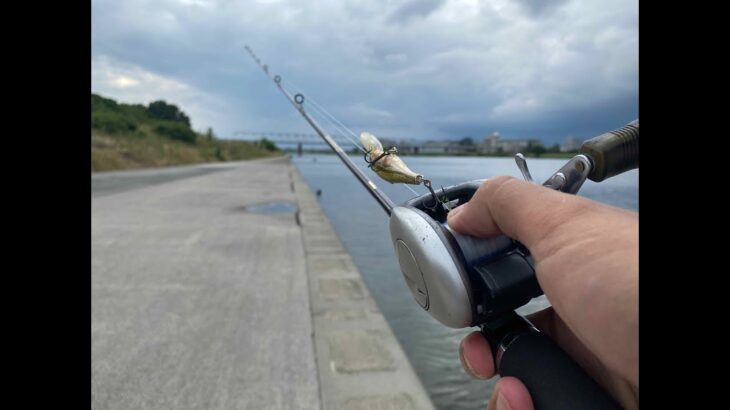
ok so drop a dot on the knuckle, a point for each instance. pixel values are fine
(504, 187)
(494, 185)
(500, 181)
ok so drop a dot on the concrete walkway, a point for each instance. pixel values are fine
(199, 303)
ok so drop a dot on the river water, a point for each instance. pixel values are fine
(362, 226)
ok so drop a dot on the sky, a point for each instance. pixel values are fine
(405, 69)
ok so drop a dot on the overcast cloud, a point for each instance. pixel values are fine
(410, 69)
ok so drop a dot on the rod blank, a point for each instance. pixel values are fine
(298, 102)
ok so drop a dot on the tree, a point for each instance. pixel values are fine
(99, 103)
(176, 131)
(466, 141)
(536, 149)
(112, 122)
(164, 111)
(209, 135)
(267, 145)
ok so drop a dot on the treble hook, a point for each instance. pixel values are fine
(388, 152)
(446, 199)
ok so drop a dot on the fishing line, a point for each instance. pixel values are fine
(318, 110)
(411, 189)
(319, 114)
(341, 132)
(327, 116)
(323, 113)
(323, 109)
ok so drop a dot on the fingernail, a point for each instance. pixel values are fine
(502, 403)
(454, 212)
(464, 363)
(467, 366)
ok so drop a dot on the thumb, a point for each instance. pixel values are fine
(524, 211)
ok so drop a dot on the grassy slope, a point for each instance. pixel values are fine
(114, 152)
(141, 146)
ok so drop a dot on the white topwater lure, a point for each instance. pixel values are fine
(386, 163)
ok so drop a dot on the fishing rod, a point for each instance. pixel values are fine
(463, 281)
(298, 102)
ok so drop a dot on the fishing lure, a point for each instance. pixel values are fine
(386, 163)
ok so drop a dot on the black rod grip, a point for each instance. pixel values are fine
(554, 380)
(613, 152)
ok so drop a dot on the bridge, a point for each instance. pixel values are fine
(301, 139)
(297, 138)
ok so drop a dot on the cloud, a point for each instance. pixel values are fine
(415, 8)
(364, 110)
(440, 69)
(537, 8)
(134, 85)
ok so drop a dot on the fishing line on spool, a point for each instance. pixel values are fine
(324, 114)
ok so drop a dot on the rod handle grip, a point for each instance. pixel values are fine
(613, 152)
(554, 380)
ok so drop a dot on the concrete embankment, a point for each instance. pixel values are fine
(198, 302)
(361, 365)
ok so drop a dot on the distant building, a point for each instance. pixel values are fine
(571, 144)
(435, 147)
(514, 146)
(446, 147)
(492, 144)
(466, 148)
(405, 147)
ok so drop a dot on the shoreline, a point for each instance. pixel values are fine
(360, 362)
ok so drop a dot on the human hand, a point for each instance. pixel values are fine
(586, 260)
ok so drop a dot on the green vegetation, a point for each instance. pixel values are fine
(176, 131)
(267, 145)
(539, 151)
(127, 136)
(559, 154)
(112, 122)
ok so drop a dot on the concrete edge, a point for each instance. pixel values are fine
(360, 363)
